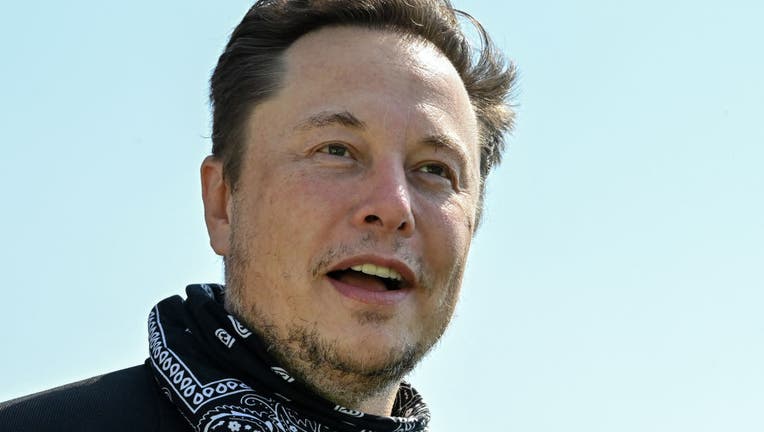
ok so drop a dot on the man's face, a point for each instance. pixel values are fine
(354, 211)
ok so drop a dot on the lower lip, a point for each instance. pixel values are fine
(379, 298)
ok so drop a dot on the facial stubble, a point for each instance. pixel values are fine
(318, 361)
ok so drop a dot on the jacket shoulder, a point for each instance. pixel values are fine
(127, 400)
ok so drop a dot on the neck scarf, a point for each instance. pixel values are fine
(218, 374)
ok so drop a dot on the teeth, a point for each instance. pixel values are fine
(375, 270)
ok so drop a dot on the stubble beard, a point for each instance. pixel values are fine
(319, 362)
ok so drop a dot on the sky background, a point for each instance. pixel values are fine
(617, 282)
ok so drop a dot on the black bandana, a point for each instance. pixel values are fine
(218, 374)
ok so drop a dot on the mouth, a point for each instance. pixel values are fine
(369, 276)
(373, 280)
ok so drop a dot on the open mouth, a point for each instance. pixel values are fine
(369, 276)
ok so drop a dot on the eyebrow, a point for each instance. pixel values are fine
(329, 118)
(346, 118)
(445, 142)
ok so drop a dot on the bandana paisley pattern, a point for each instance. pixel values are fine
(217, 373)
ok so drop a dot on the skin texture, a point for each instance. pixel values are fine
(367, 153)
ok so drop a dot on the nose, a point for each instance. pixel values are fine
(386, 203)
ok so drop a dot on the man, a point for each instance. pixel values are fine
(351, 141)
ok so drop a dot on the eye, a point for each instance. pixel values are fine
(436, 169)
(335, 149)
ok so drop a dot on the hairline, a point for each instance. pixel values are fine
(279, 70)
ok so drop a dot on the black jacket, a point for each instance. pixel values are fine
(125, 400)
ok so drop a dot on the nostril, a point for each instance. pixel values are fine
(371, 219)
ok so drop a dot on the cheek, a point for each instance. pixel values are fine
(294, 214)
(447, 237)
(312, 197)
(286, 198)
(452, 221)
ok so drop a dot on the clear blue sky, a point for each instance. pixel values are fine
(616, 284)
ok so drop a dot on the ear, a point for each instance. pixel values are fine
(216, 198)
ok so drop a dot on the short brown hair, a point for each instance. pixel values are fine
(250, 69)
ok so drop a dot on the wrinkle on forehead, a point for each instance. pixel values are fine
(408, 54)
(406, 79)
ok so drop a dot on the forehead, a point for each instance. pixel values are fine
(346, 52)
(372, 72)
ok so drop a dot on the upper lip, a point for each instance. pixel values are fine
(407, 274)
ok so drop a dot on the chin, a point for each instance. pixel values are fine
(385, 364)
(377, 353)
(382, 339)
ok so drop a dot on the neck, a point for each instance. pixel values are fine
(348, 390)
(382, 404)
